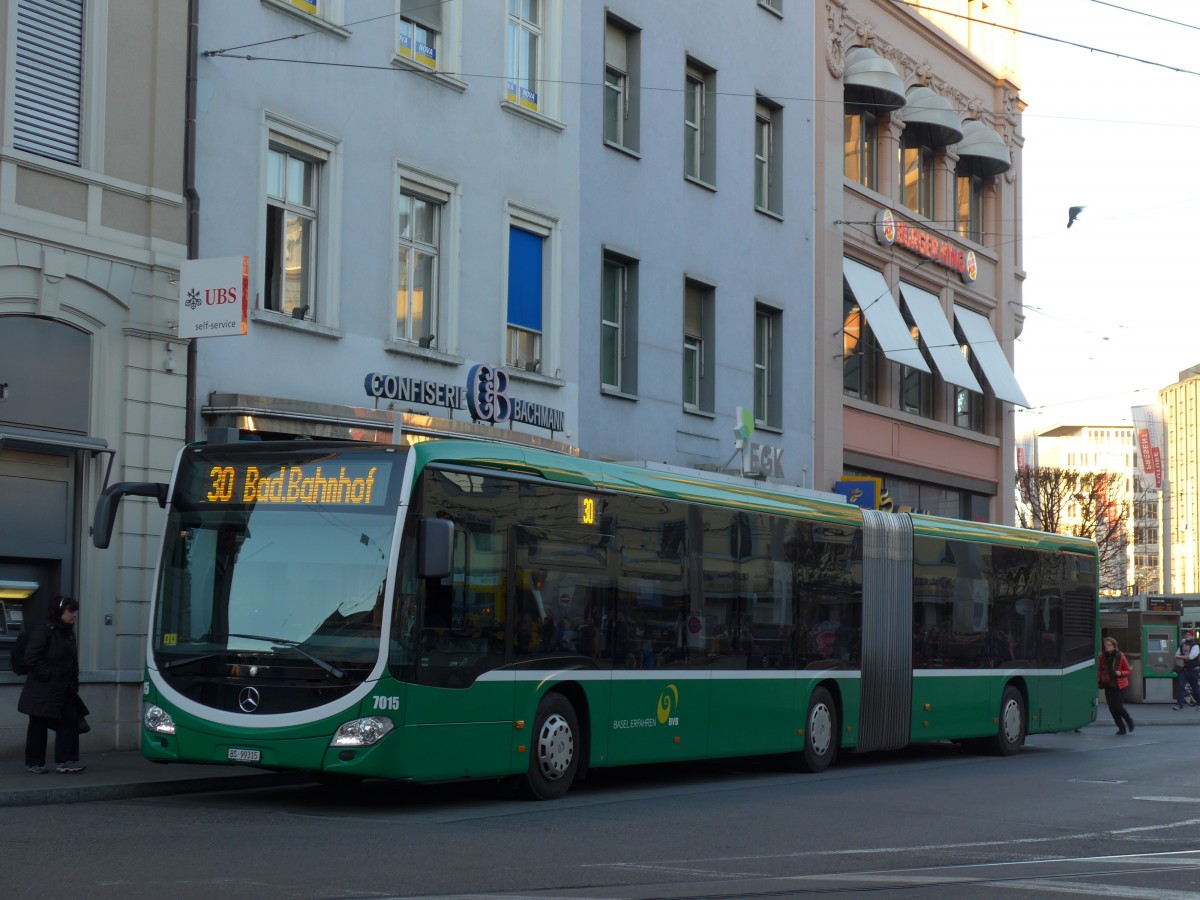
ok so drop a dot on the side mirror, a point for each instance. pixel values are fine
(435, 555)
(106, 507)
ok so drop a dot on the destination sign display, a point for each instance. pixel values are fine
(328, 482)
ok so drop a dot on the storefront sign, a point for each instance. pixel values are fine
(213, 296)
(865, 492)
(890, 231)
(758, 460)
(486, 396)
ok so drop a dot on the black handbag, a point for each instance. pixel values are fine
(84, 725)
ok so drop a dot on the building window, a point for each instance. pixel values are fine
(419, 36)
(860, 351)
(426, 239)
(525, 46)
(775, 6)
(48, 78)
(916, 392)
(698, 314)
(533, 295)
(621, 80)
(861, 133)
(618, 324)
(699, 123)
(330, 12)
(525, 277)
(768, 381)
(970, 207)
(768, 173)
(916, 177)
(968, 404)
(293, 187)
(417, 265)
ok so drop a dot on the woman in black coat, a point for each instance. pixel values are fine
(51, 694)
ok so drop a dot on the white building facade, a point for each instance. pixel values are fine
(609, 207)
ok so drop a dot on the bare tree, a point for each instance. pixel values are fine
(1084, 504)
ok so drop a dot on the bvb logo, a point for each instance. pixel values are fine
(667, 701)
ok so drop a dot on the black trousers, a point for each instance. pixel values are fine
(1115, 698)
(66, 736)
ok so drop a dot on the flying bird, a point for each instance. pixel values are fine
(1073, 214)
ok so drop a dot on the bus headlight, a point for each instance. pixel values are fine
(157, 720)
(362, 732)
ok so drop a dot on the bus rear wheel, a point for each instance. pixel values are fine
(555, 750)
(1010, 732)
(820, 733)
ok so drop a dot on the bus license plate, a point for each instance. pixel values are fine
(246, 755)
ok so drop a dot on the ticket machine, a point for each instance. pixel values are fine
(1158, 661)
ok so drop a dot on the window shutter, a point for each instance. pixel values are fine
(693, 313)
(525, 279)
(48, 83)
(423, 12)
(615, 48)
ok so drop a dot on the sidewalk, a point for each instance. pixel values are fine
(122, 774)
(119, 775)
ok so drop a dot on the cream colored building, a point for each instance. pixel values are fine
(918, 253)
(1180, 405)
(92, 381)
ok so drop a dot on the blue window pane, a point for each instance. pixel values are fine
(524, 279)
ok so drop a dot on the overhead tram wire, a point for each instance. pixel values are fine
(1046, 37)
(1138, 12)
(946, 228)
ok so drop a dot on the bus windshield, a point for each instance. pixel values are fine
(276, 561)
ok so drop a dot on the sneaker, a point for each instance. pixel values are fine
(1176, 707)
(38, 770)
(69, 768)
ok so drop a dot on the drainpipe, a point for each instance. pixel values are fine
(191, 196)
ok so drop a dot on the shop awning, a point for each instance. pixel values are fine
(12, 434)
(929, 119)
(879, 306)
(939, 337)
(982, 151)
(871, 80)
(996, 369)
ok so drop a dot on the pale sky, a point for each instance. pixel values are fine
(1111, 303)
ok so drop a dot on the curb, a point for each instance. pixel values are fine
(82, 793)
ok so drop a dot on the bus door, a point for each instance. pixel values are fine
(655, 637)
(461, 708)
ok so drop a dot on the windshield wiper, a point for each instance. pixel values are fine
(187, 660)
(293, 645)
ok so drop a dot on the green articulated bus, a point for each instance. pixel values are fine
(462, 609)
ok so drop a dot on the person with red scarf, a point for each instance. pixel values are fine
(1112, 672)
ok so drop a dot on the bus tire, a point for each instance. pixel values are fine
(1010, 732)
(820, 733)
(554, 750)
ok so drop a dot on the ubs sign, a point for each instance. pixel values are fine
(486, 396)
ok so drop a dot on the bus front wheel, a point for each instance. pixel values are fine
(1010, 732)
(820, 733)
(554, 751)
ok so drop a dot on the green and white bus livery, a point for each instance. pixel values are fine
(460, 609)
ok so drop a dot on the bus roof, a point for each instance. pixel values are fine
(699, 487)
